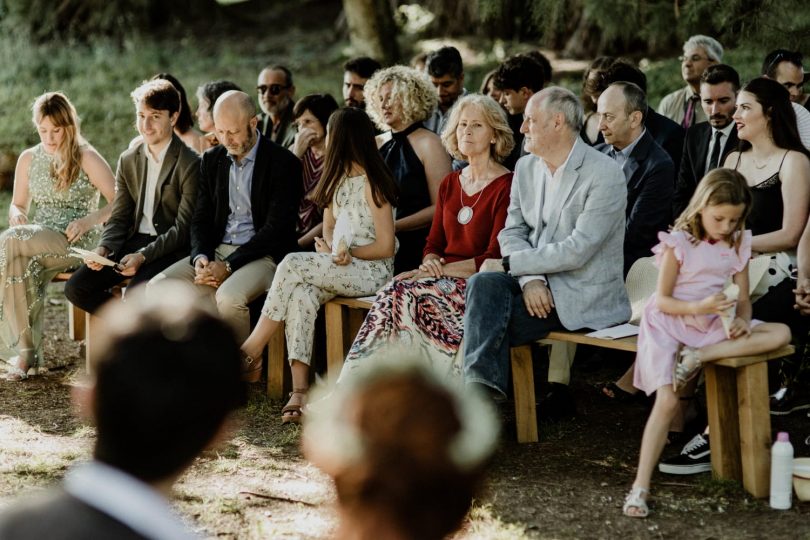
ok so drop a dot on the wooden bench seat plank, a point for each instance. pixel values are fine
(621, 344)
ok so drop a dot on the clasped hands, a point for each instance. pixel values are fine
(343, 258)
(802, 292)
(433, 267)
(211, 273)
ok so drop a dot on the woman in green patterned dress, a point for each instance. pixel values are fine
(62, 176)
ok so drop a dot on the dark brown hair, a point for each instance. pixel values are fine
(157, 94)
(777, 108)
(351, 141)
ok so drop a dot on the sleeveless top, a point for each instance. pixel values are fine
(408, 172)
(767, 207)
(56, 208)
(309, 215)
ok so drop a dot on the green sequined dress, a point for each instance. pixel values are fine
(32, 254)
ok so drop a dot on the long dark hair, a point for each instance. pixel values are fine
(776, 106)
(351, 140)
(184, 120)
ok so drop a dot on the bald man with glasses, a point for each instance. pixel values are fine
(276, 93)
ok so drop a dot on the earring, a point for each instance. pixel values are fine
(492, 141)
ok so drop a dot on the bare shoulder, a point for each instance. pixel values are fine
(797, 161)
(425, 142)
(731, 159)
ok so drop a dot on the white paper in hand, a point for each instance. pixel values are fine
(343, 234)
(732, 292)
(92, 256)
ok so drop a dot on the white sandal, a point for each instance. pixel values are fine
(14, 372)
(637, 498)
(687, 365)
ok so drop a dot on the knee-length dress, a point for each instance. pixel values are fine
(32, 254)
(704, 270)
(305, 281)
(427, 314)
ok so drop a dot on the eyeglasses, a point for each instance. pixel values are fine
(693, 58)
(274, 89)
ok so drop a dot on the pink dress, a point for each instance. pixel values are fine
(704, 270)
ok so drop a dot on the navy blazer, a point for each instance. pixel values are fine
(693, 164)
(275, 196)
(649, 197)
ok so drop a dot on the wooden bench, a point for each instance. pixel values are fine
(736, 399)
(344, 317)
(76, 315)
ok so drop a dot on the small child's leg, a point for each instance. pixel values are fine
(764, 337)
(655, 436)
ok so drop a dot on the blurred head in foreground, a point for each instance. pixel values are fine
(407, 451)
(165, 378)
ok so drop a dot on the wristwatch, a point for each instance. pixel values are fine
(228, 267)
(505, 263)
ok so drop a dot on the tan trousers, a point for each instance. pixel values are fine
(233, 296)
(30, 256)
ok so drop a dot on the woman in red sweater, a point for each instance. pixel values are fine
(424, 307)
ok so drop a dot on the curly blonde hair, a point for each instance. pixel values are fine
(410, 88)
(67, 162)
(495, 118)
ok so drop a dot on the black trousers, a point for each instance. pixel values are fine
(777, 306)
(90, 289)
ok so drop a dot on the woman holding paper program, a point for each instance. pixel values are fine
(355, 257)
(424, 307)
(63, 176)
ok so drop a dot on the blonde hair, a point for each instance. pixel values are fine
(67, 162)
(410, 88)
(494, 117)
(719, 186)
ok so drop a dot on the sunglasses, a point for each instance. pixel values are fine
(274, 89)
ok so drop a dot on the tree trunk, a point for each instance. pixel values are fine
(372, 30)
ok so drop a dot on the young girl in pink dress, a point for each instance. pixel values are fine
(681, 327)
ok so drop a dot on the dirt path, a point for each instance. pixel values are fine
(571, 485)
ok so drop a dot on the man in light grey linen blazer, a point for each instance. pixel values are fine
(562, 245)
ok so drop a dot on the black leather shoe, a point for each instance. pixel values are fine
(558, 404)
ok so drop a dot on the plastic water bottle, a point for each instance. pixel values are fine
(781, 472)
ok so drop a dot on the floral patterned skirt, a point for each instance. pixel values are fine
(426, 314)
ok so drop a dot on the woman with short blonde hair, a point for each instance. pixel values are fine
(398, 100)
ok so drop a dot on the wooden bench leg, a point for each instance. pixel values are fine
(276, 364)
(523, 385)
(755, 428)
(90, 325)
(335, 340)
(721, 404)
(76, 322)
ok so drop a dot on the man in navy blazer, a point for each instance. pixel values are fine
(247, 207)
(649, 171)
(708, 143)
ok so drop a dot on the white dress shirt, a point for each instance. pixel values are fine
(153, 166)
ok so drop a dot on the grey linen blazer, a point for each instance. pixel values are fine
(580, 251)
(177, 185)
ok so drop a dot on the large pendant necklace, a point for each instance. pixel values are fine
(465, 214)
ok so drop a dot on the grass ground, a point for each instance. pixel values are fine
(257, 485)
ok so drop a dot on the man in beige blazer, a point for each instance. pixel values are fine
(155, 191)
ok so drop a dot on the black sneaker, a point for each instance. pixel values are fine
(694, 458)
(787, 400)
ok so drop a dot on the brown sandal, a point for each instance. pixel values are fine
(251, 368)
(292, 414)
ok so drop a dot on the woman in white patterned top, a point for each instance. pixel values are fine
(357, 189)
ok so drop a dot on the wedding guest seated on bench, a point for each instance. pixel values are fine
(62, 176)
(425, 306)
(156, 186)
(165, 383)
(562, 246)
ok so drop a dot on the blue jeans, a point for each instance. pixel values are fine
(495, 320)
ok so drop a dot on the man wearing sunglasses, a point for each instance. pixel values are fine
(785, 67)
(276, 99)
(683, 106)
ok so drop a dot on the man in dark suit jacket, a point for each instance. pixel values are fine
(247, 208)
(649, 171)
(664, 131)
(708, 143)
(149, 429)
(155, 191)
